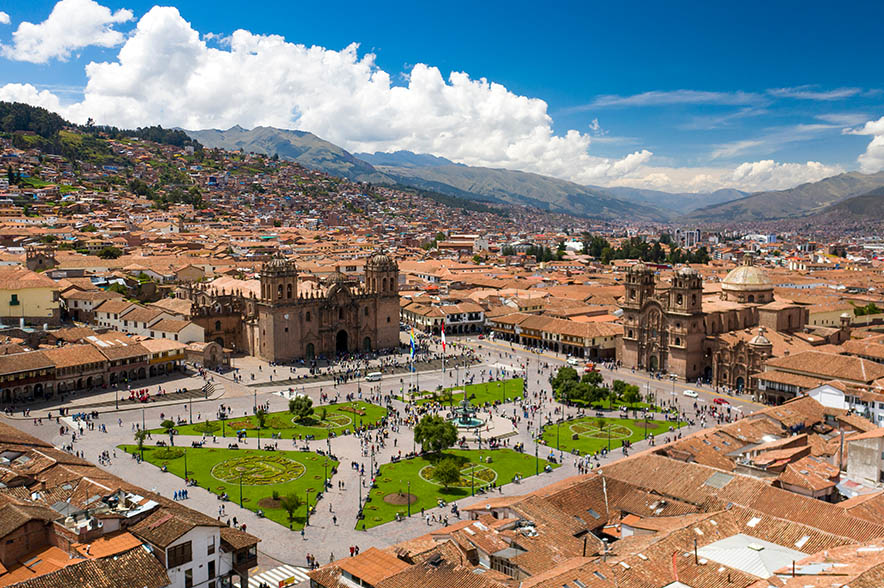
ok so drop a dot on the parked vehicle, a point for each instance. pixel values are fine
(690, 394)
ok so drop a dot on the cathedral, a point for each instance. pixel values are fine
(284, 317)
(722, 338)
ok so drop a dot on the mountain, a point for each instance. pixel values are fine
(404, 159)
(429, 172)
(514, 187)
(302, 147)
(681, 202)
(800, 201)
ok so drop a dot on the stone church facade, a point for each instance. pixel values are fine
(284, 318)
(671, 329)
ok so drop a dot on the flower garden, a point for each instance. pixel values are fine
(338, 419)
(479, 394)
(477, 470)
(590, 434)
(264, 476)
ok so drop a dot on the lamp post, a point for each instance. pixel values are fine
(307, 494)
(190, 408)
(240, 490)
(325, 477)
(185, 464)
(116, 398)
(536, 458)
(408, 498)
(473, 481)
(255, 402)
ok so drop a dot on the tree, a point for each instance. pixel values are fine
(110, 253)
(447, 472)
(261, 416)
(631, 395)
(168, 425)
(435, 433)
(140, 436)
(594, 378)
(290, 503)
(301, 407)
(565, 373)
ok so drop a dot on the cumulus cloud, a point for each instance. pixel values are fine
(165, 73)
(873, 159)
(30, 95)
(72, 25)
(750, 176)
(4, 18)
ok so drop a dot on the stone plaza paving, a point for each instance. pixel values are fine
(322, 538)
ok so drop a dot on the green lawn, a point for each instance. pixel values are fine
(591, 437)
(478, 394)
(339, 418)
(394, 477)
(218, 470)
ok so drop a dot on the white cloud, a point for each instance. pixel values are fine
(750, 177)
(4, 18)
(873, 159)
(30, 95)
(72, 25)
(659, 98)
(166, 74)
(809, 93)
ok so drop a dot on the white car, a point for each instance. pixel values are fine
(690, 393)
(572, 361)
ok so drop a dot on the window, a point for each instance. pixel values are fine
(679, 299)
(13, 300)
(388, 320)
(211, 569)
(289, 291)
(340, 314)
(217, 325)
(307, 317)
(366, 311)
(188, 578)
(180, 555)
(279, 291)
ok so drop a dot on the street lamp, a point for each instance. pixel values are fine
(185, 464)
(240, 490)
(307, 494)
(473, 481)
(536, 458)
(408, 498)
(325, 479)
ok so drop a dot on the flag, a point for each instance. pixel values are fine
(443, 337)
(411, 337)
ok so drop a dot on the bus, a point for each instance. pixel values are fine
(373, 377)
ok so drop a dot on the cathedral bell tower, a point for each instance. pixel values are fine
(381, 275)
(279, 281)
(639, 286)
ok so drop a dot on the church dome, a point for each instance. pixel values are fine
(380, 260)
(688, 272)
(746, 278)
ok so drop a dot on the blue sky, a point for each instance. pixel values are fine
(656, 94)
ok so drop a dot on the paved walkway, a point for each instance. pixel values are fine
(321, 538)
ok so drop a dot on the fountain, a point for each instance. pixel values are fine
(464, 415)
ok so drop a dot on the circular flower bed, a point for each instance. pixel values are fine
(168, 453)
(483, 475)
(258, 470)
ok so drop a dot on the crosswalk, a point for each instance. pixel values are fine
(279, 576)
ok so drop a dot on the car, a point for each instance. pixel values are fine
(481, 337)
(720, 401)
(690, 393)
(572, 361)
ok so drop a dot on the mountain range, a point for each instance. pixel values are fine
(441, 175)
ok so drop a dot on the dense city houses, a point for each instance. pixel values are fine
(143, 264)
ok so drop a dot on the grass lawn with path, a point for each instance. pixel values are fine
(218, 470)
(488, 392)
(339, 418)
(392, 481)
(592, 436)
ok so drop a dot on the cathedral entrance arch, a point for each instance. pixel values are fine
(310, 351)
(366, 344)
(741, 383)
(652, 363)
(341, 342)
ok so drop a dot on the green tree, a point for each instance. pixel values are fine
(261, 417)
(110, 253)
(435, 433)
(140, 436)
(291, 503)
(301, 407)
(594, 378)
(565, 373)
(447, 472)
(168, 424)
(631, 395)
